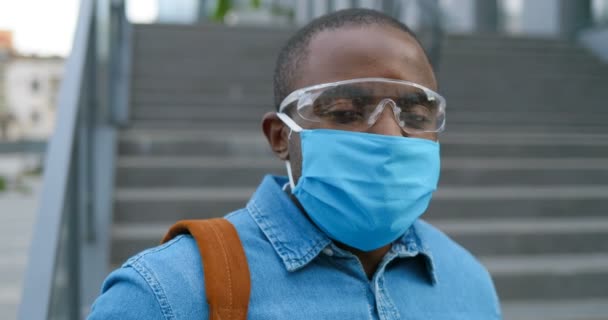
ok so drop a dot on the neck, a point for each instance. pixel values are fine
(370, 260)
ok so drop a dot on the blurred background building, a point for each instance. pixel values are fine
(159, 121)
(6, 51)
(28, 92)
(31, 87)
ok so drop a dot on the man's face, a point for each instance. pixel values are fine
(361, 52)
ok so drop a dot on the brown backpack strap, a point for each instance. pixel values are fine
(227, 282)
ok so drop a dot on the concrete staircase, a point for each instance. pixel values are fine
(525, 157)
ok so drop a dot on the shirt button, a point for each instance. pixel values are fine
(328, 251)
(398, 247)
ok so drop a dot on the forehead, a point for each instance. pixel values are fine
(364, 52)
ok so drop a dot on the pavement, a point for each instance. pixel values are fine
(17, 216)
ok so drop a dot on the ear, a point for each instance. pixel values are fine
(277, 134)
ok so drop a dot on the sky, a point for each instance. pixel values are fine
(46, 27)
(40, 26)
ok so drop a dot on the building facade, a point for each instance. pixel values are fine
(6, 52)
(31, 86)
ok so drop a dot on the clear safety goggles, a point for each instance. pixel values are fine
(358, 103)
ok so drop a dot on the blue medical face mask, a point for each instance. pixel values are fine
(364, 190)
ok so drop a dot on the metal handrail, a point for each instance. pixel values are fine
(69, 249)
(38, 283)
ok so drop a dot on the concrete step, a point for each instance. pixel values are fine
(250, 58)
(252, 143)
(537, 103)
(200, 85)
(231, 45)
(194, 142)
(135, 206)
(578, 84)
(576, 309)
(160, 172)
(470, 136)
(160, 204)
(525, 72)
(459, 111)
(197, 40)
(568, 51)
(149, 35)
(227, 96)
(529, 236)
(521, 59)
(481, 129)
(177, 69)
(459, 68)
(507, 41)
(537, 96)
(500, 193)
(249, 63)
(544, 277)
(506, 237)
(194, 172)
(166, 204)
(499, 94)
(199, 36)
(524, 208)
(501, 102)
(233, 98)
(456, 116)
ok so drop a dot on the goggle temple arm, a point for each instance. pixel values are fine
(294, 127)
(289, 122)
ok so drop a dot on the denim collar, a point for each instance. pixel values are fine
(298, 241)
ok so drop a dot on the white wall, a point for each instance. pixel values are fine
(178, 11)
(458, 15)
(596, 40)
(540, 17)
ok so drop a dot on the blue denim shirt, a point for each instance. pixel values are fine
(298, 273)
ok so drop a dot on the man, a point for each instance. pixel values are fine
(357, 125)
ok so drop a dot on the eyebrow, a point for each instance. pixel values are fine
(416, 97)
(344, 91)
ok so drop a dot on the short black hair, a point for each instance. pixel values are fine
(295, 52)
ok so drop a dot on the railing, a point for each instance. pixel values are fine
(23, 146)
(69, 252)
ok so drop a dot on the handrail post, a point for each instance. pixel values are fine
(120, 62)
(107, 110)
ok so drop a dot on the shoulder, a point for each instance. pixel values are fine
(165, 282)
(445, 251)
(169, 263)
(456, 268)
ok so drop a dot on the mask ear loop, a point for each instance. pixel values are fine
(293, 126)
(290, 175)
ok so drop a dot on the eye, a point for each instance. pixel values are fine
(341, 110)
(418, 117)
(416, 120)
(344, 116)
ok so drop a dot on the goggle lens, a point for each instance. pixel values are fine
(357, 105)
